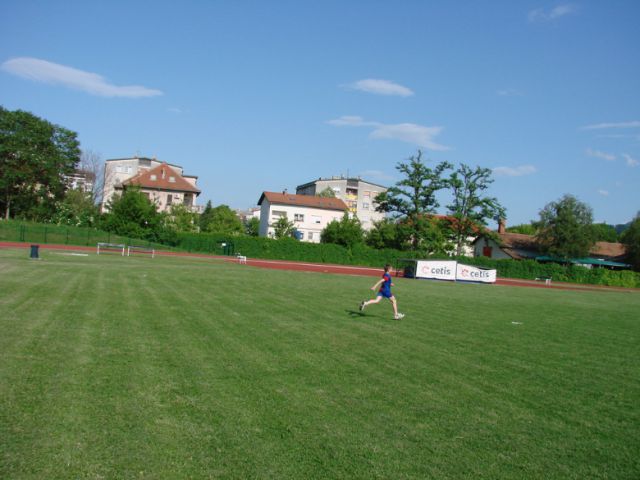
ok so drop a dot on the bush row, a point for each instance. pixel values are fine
(19, 231)
(289, 249)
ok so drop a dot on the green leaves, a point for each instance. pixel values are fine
(564, 229)
(35, 156)
(346, 232)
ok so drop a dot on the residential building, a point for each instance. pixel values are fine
(165, 184)
(81, 180)
(358, 194)
(309, 214)
(519, 246)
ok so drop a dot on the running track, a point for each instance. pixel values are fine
(325, 268)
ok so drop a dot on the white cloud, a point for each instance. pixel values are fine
(175, 110)
(56, 74)
(540, 15)
(609, 157)
(381, 87)
(632, 162)
(405, 132)
(520, 171)
(600, 126)
(604, 193)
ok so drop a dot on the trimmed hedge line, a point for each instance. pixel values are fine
(362, 255)
(21, 231)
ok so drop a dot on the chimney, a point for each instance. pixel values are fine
(502, 225)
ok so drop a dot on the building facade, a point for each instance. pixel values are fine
(164, 184)
(359, 196)
(309, 214)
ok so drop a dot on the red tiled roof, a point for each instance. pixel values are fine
(303, 201)
(163, 173)
(512, 241)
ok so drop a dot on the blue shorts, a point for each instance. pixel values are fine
(385, 293)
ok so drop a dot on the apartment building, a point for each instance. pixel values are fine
(165, 184)
(359, 196)
(309, 214)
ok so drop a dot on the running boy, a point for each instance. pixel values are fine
(385, 285)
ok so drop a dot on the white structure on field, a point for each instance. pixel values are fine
(309, 214)
(358, 194)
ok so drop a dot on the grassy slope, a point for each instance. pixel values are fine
(117, 367)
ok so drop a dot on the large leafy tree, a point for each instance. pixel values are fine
(471, 207)
(631, 239)
(414, 197)
(182, 219)
(564, 228)
(220, 219)
(346, 231)
(132, 214)
(603, 232)
(76, 209)
(387, 233)
(35, 157)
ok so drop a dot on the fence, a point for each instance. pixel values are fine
(12, 231)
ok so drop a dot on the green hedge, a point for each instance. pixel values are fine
(289, 249)
(19, 231)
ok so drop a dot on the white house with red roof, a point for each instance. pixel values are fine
(163, 183)
(309, 214)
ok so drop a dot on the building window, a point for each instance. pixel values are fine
(172, 179)
(316, 219)
(365, 206)
(154, 178)
(119, 168)
(366, 193)
(298, 217)
(169, 199)
(310, 236)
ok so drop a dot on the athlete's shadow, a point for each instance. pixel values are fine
(355, 313)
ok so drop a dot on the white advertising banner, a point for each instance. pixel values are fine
(437, 269)
(467, 273)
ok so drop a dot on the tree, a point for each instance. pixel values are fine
(206, 217)
(35, 157)
(414, 197)
(604, 233)
(327, 193)
(76, 209)
(564, 228)
(470, 207)
(631, 239)
(387, 233)
(525, 228)
(347, 232)
(283, 228)
(92, 165)
(182, 219)
(221, 219)
(132, 214)
(252, 227)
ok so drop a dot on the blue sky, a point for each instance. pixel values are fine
(267, 95)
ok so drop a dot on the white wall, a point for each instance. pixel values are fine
(308, 225)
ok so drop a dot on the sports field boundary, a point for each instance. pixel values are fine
(328, 268)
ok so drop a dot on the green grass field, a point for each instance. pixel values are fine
(171, 368)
